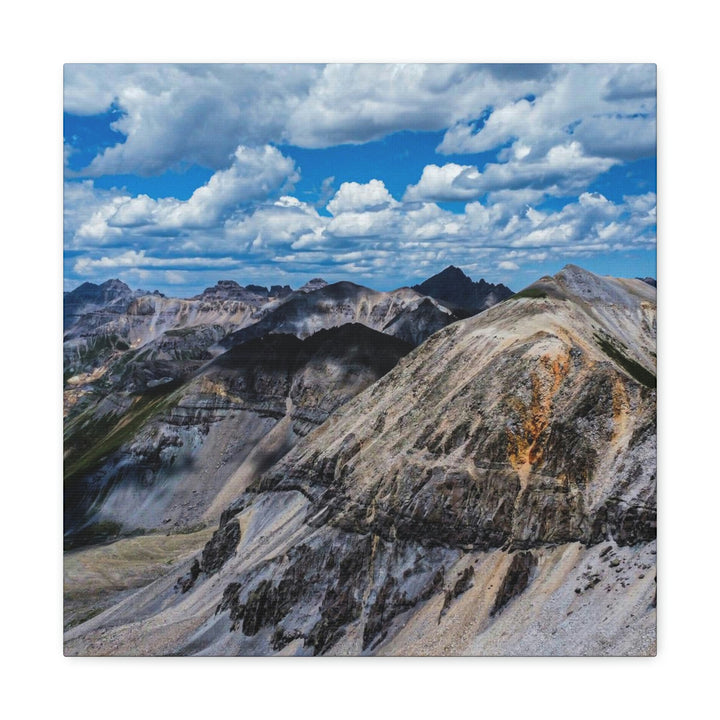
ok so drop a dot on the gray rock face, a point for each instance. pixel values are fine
(230, 290)
(220, 548)
(516, 580)
(90, 297)
(312, 285)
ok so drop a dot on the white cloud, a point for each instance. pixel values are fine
(85, 211)
(171, 115)
(135, 259)
(357, 197)
(362, 224)
(443, 184)
(96, 217)
(255, 173)
(608, 109)
(287, 221)
(174, 115)
(285, 237)
(562, 170)
(175, 277)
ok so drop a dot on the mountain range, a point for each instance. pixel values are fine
(451, 469)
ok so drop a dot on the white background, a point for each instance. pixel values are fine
(36, 39)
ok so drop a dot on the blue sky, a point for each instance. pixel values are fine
(177, 176)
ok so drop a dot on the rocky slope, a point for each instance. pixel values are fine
(494, 493)
(97, 336)
(453, 286)
(162, 456)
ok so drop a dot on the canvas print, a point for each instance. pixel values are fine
(359, 360)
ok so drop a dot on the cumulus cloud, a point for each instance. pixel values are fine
(562, 170)
(443, 184)
(356, 197)
(357, 103)
(608, 109)
(176, 115)
(361, 224)
(553, 129)
(406, 237)
(246, 216)
(172, 115)
(255, 174)
(86, 210)
(140, 259)
(288, 221)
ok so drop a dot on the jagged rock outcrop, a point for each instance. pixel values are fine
(516, 579)
(231, 290)
(221, 547)
(114, 295)
(454, 286)
(312, 285)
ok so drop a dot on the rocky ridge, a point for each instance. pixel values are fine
(402, 313)
(453, 286)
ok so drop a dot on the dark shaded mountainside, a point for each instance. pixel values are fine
(492, 494)
(133, 462)
(453, 286)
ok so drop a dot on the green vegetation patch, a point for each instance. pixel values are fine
(531, 292)
(93, 534)
(642, 375)
(93, 439)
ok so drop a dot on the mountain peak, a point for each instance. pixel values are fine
(585, 285)
(115, 284)
(230, 290)
(312, 285)
(602, 292)
(451, 272)
(454, 286)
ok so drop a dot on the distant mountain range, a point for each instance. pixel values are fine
(445, 469)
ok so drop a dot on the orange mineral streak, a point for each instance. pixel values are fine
(526, 447)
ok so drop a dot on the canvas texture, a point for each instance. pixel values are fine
(360, 360)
